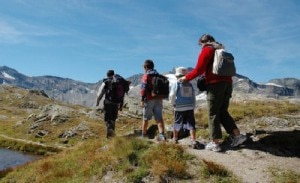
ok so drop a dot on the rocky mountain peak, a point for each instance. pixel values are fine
(76, 92)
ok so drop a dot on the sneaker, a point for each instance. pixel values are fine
(213, 147)
(161, 137)
(194, 144)
(238, 140)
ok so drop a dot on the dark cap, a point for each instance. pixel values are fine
(110, 73)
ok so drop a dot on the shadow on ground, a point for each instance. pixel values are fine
(279, 143)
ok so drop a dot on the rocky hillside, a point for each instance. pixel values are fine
(76, 92)
(274, 88)
(63, 89)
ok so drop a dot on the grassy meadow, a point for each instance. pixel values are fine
(90, 157)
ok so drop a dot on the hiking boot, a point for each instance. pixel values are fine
(110, 133)
(213, 147)
(238, 140)
(175, 141)
(161, 137)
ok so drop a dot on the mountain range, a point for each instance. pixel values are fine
(81, 93)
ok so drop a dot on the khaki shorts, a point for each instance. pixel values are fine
(153, 108)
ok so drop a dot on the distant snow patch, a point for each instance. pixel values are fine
(273, 84)
(172, 78)
(260, 88)
(8, 76)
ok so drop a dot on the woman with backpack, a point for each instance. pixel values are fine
(219, 91)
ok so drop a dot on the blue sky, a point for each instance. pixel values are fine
(82, 39)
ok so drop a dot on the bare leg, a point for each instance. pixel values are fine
(193, 135)
(161, 126)
(175, 135)
(144, 127)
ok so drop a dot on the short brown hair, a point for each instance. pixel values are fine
(149, 64)
(110, 73)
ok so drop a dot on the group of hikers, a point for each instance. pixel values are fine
(182, 97)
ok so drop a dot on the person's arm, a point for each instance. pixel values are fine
(100, 93)
(172, 95)
(204, 58)
(144, 87)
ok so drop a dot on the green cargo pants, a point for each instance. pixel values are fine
(218, 97)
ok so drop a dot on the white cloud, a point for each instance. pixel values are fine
(9, 33)
(262, 35)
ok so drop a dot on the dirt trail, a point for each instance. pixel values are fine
(276, 147)
(250, 166)
(31, 142)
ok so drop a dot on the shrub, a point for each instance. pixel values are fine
(167, 160)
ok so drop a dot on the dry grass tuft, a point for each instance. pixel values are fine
(284, 176)
(5, 171)
(167, 160)
(212, 168)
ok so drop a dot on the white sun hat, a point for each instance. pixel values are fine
(181, 71)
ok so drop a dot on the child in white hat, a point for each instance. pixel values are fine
(182, 97)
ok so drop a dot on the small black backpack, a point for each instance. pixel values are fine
(160, 86)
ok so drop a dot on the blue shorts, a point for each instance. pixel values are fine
(153, 108)
(185, 120)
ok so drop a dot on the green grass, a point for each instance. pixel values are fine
(284, 176)
(257, 109)
(251, 109)
(28, 147)
(95, 159)
(128, 159)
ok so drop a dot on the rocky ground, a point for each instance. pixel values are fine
(249, 165)
(274, 148)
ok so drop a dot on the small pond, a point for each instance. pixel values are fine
(11, 158)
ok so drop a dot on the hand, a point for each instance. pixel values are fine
(99, 109)
(182, 79)
(142, 103)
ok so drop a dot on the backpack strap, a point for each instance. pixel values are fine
(211, 62)
(149, 83)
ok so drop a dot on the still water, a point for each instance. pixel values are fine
(10, 158)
